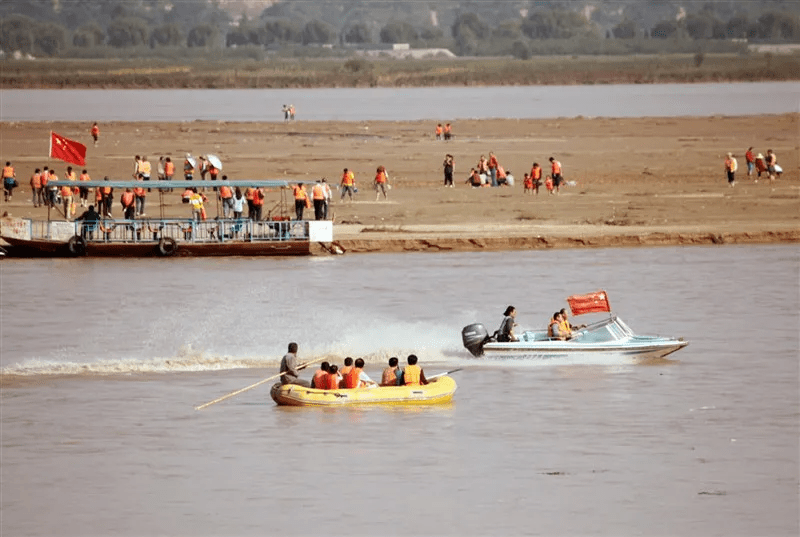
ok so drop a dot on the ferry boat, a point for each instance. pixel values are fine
(165, 237)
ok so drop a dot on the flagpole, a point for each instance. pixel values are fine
(50, 152)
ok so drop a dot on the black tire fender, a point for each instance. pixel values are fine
(77, 246)
(167, 246)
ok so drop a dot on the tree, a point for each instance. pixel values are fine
(508, 30)
(520, 50)
(664, 30)
(468, 25)
(736, 28)
(89, 35)
(358, 33)
(167, 35)
(700, 26)
(127, 32)
(16, 33)
(318, 32)
(555, 24)
(398, 32)
(49, 39)
(625, 30)
(282, 31)
(203, 35)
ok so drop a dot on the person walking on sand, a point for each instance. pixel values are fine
(381, 182)
(449, 167)
(730, 169)
(328, 196)
(95, 132)
(556, 171)
(300, 200)
(772, 160)
(750, 158)
(348, 184)
(36, 188)
(448, 131)
(318, 195)
(439, 131)
(536, 177)
(9, 180)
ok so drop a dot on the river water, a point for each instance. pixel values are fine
(404, 104)
(103, 362)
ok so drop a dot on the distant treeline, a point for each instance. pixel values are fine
(131, 28)
(218, 69)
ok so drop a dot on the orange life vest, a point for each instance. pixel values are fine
(318, 192)
(106, 190)
(84, 177)
(8, 171)
(258, 198)
(144, 167)
(389, 377)
(549, 183)
(95, 130)
(536, 173)
(438, 129)
(556, 167)
(351, 378)
(550, 333)
(300, 193)
(66, 191)
(45, 179)
(248, 193)
(447, 129)
(36, 180)
(412, 374)
(139, 192)
(317, 379)
(348, 179)
(381, 177)
(225, 192)
(330, 382)
(169, 168)
(127, 199)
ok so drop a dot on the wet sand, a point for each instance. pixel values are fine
(632, 182)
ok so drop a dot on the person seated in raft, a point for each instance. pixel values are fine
(356, 377)
(555, 330)
(413, 375)
(392, 375)
(319, 375)
(506, 330)
(330, 381)
(346, 368)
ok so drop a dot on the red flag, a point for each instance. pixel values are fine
(591, 303)
(67, 150)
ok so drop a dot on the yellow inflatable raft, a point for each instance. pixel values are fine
(439, 390)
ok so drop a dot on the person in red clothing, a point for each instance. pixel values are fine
(332, 379)
(556, 173)
(381, 182)
(95, 132)
(750, 158)
(319, 381)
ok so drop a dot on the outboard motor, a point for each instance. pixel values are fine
(474, 336)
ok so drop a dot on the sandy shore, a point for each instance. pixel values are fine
(647, 181)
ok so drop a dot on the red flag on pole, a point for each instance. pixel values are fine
(67, 150)
(591, 303)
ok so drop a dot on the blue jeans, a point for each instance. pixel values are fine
(493, 174)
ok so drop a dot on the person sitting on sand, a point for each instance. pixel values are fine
(474, 178)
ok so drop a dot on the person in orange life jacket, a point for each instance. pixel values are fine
(413, 375)
(82, 190)
(169, 169)
(46, 191)
(66, 199)
(548, 184)
(36, 188)
(318, 195)
(348, 183)
(556, 171)
(474, 178)
(492, 166)
(319, 376)
(356, 377)
(258, 204)
(381, 182)
(128, 204)
(226, 195)
(108, 198)
(70, 176)
(555, 330)
(536, 177)
(392, 375)
(139, 194)
(346, 368)
(332, 379)
(327, 189)
(448, 131)
(95, 132)
(290, 368)
(506, 330)
(569, 325)
(300, 199)
(439, 131)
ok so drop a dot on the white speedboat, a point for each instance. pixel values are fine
(608, 337)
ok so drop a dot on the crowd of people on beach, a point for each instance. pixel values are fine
(756, 163)
(351, 375)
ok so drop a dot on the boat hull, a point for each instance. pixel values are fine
(579, 352)
(44, 248)
(439, 391)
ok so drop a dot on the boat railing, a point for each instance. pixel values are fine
(178, 229)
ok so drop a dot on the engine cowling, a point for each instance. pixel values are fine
(474, 336)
